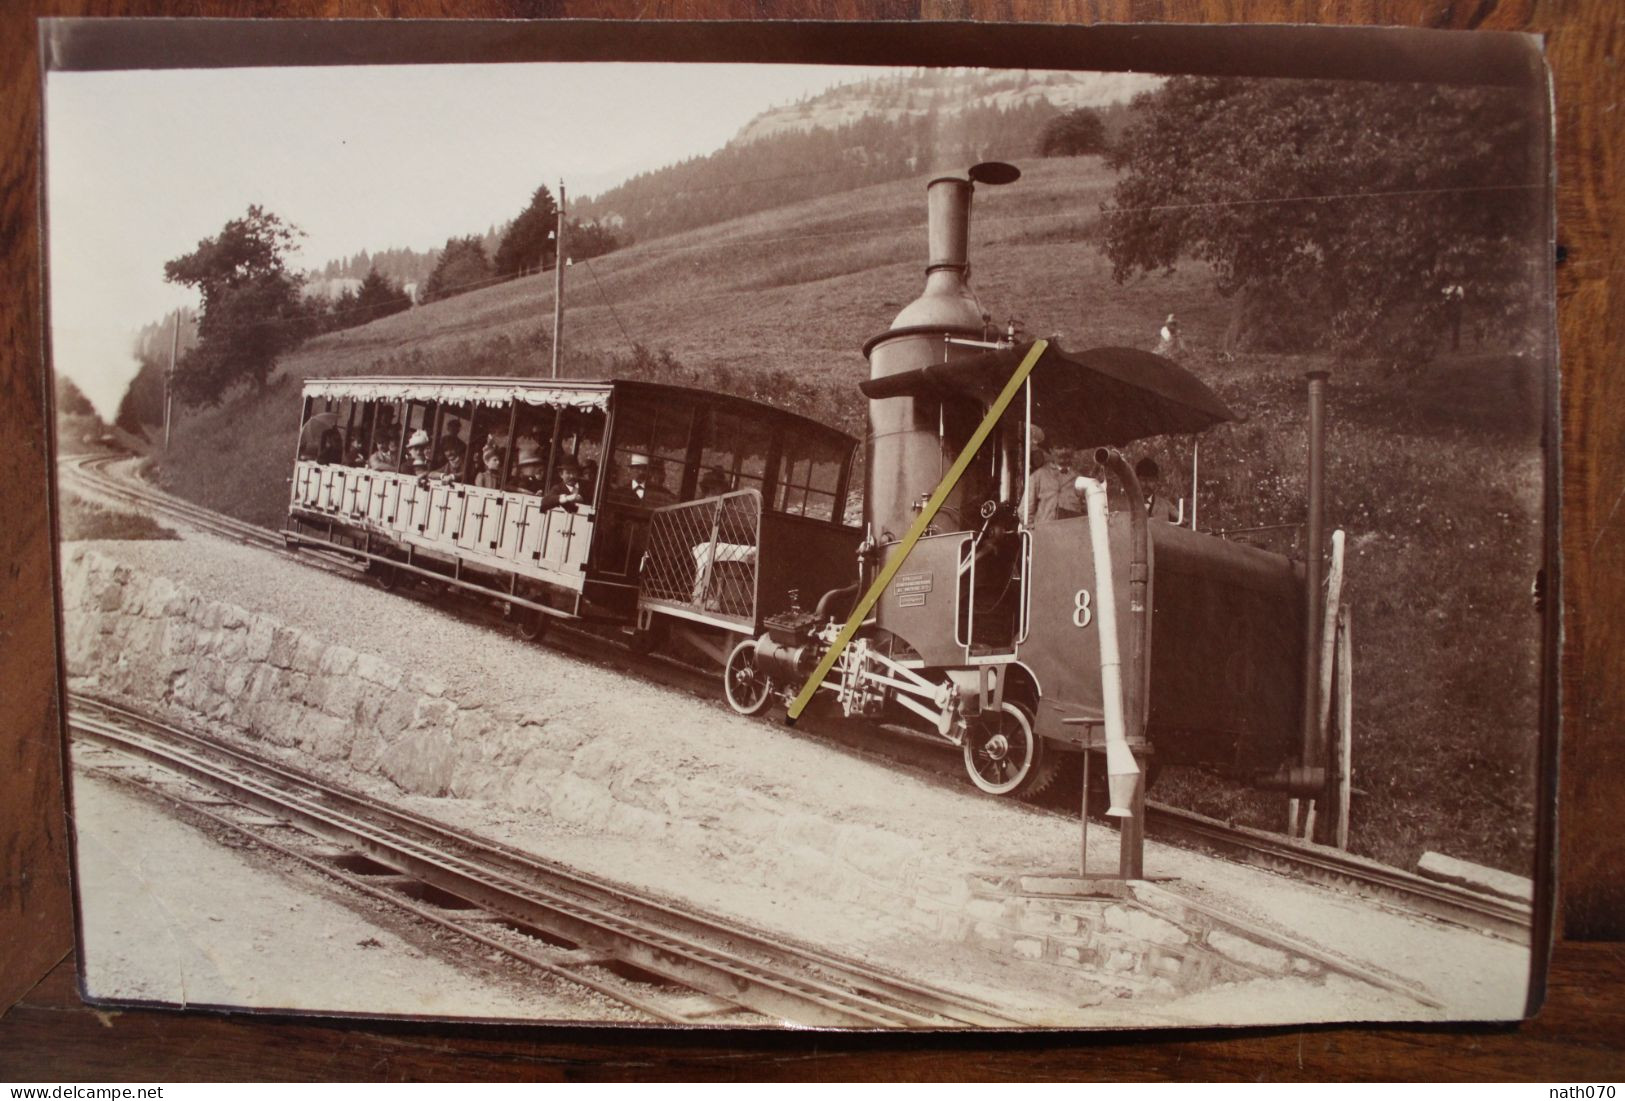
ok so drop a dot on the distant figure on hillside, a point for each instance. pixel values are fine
(1455, 296)
(1169, 341)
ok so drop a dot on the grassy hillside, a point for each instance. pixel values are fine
(1434, 472)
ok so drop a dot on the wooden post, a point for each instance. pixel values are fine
(1345, 725)
(1131, 855)
(169, 377)
(1083, 817)
(558, 284)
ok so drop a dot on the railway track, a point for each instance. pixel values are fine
(665, 962)
(1326, 866)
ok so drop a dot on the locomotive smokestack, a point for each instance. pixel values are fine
(947, 202)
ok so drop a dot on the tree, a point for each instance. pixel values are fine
(1073, 134)
(251, 308)
(379, 297)
(1333, 213)
(143, 403)
(70, 400)
(525, 247)
(462, 266)
(588, 239)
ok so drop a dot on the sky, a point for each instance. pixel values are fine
(143, 165)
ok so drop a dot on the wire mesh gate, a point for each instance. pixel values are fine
(701, 556)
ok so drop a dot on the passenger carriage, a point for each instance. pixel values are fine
(748, 495)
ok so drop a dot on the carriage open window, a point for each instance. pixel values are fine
(734, 453)
(810, 475)
(449, 454)
(323, 434)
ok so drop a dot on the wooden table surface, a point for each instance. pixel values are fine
(1579, 1035)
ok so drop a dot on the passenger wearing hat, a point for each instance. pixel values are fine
(714, 482)
(568, 490)
(417, 453)
(529, 466)
(383, 456)
(1149, 474)
(451, 465)
(645, 488)
(491, 459)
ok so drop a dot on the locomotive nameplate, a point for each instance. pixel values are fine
(911, 600)
(912, 584)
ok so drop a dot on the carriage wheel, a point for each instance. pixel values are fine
(387, 576)
(747, 687)
(1002, 754)
(530, 623)
(647, 641)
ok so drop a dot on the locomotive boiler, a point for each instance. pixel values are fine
(990, 633)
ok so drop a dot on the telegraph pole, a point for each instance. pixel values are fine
(169, 376)
(558, 283)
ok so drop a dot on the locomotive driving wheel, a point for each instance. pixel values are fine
(1002, 754)
(747, 686)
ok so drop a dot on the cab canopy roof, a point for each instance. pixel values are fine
(1080, 399)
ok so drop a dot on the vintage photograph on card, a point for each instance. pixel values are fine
(866, 543)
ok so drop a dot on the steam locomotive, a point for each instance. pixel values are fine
(1017, 636)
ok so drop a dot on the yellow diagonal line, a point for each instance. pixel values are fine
(917, 529)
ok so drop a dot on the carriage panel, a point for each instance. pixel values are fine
(480, 528)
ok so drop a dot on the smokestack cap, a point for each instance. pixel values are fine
(994, 173)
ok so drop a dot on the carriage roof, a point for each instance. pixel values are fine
(556, 393)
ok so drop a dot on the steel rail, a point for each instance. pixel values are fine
(754, 971)
(1336, 868)
(458, 922)
(1331, 868)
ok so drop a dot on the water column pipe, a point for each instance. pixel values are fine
(1122, 773)
(1138, 581)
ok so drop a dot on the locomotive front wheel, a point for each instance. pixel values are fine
(1002, 754)
(747, 687)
